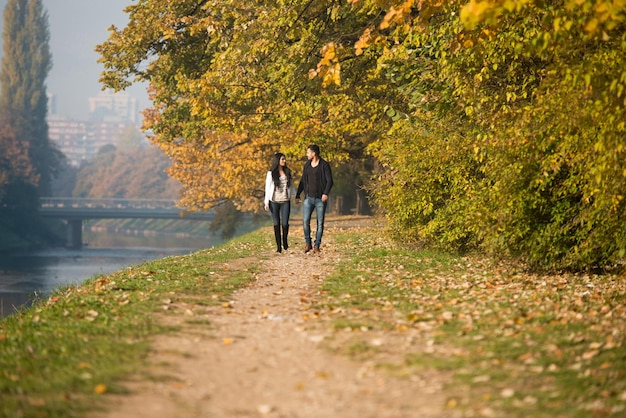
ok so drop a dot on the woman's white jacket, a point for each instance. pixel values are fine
(269, 189)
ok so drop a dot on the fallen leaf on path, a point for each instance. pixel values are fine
(264, 409)
(323, 375)
(507, 393)
(37, 401)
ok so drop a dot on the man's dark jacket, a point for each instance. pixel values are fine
(325, 179)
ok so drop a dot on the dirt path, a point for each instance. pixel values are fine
(262, 357)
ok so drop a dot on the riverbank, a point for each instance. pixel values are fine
(17, 234)
(364, 329)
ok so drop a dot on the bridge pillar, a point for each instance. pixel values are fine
(75, 233)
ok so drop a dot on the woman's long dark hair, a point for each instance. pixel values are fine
(276, 170)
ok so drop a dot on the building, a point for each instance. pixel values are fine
(110, 106)
(109, 115)
(81, 140)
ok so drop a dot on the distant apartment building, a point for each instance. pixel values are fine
(109, 115)
(110, 106)
(81, 140)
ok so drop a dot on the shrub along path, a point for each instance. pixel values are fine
(272, 351)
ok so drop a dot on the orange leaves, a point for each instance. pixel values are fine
(364, 41)
(397, 15)
(328, 68)
(99, 389)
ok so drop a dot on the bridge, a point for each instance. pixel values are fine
(75, 210)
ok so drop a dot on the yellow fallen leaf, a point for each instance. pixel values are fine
(228, 340)
(100, 389)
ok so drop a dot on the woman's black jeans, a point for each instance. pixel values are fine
(280, 213)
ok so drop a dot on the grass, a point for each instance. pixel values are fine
(59, 355)
(517, 344)
(513, 344)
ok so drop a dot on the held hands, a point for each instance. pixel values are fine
(324, 199)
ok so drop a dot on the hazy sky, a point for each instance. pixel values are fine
(76, 27)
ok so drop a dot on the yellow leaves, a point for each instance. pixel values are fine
(604, 16)
(468, 43)
(592, 25)
(474, 12)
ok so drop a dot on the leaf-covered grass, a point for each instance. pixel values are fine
(56, 357)
(518, 344)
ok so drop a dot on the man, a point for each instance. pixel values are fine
(316, 182)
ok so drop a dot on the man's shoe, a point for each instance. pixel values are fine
(307, 248)
(316, 250)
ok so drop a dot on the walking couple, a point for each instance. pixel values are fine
(316, 182)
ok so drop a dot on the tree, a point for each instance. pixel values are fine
(233, 82)
(23, 99)
(137, 173)
(534, 160)
(130, 138)
(498, 125)
(15, 168)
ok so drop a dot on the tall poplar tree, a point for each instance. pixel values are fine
(23, 99)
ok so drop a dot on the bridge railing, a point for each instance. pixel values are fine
(106, 202)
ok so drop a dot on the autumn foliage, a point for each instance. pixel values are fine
(497, 125)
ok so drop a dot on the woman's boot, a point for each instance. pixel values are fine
(277, 236)
(285, 233)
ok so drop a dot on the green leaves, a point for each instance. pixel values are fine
(533, 87)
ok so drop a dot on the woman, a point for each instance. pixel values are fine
(278, 190)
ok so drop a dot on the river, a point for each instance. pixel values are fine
(25, 274)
